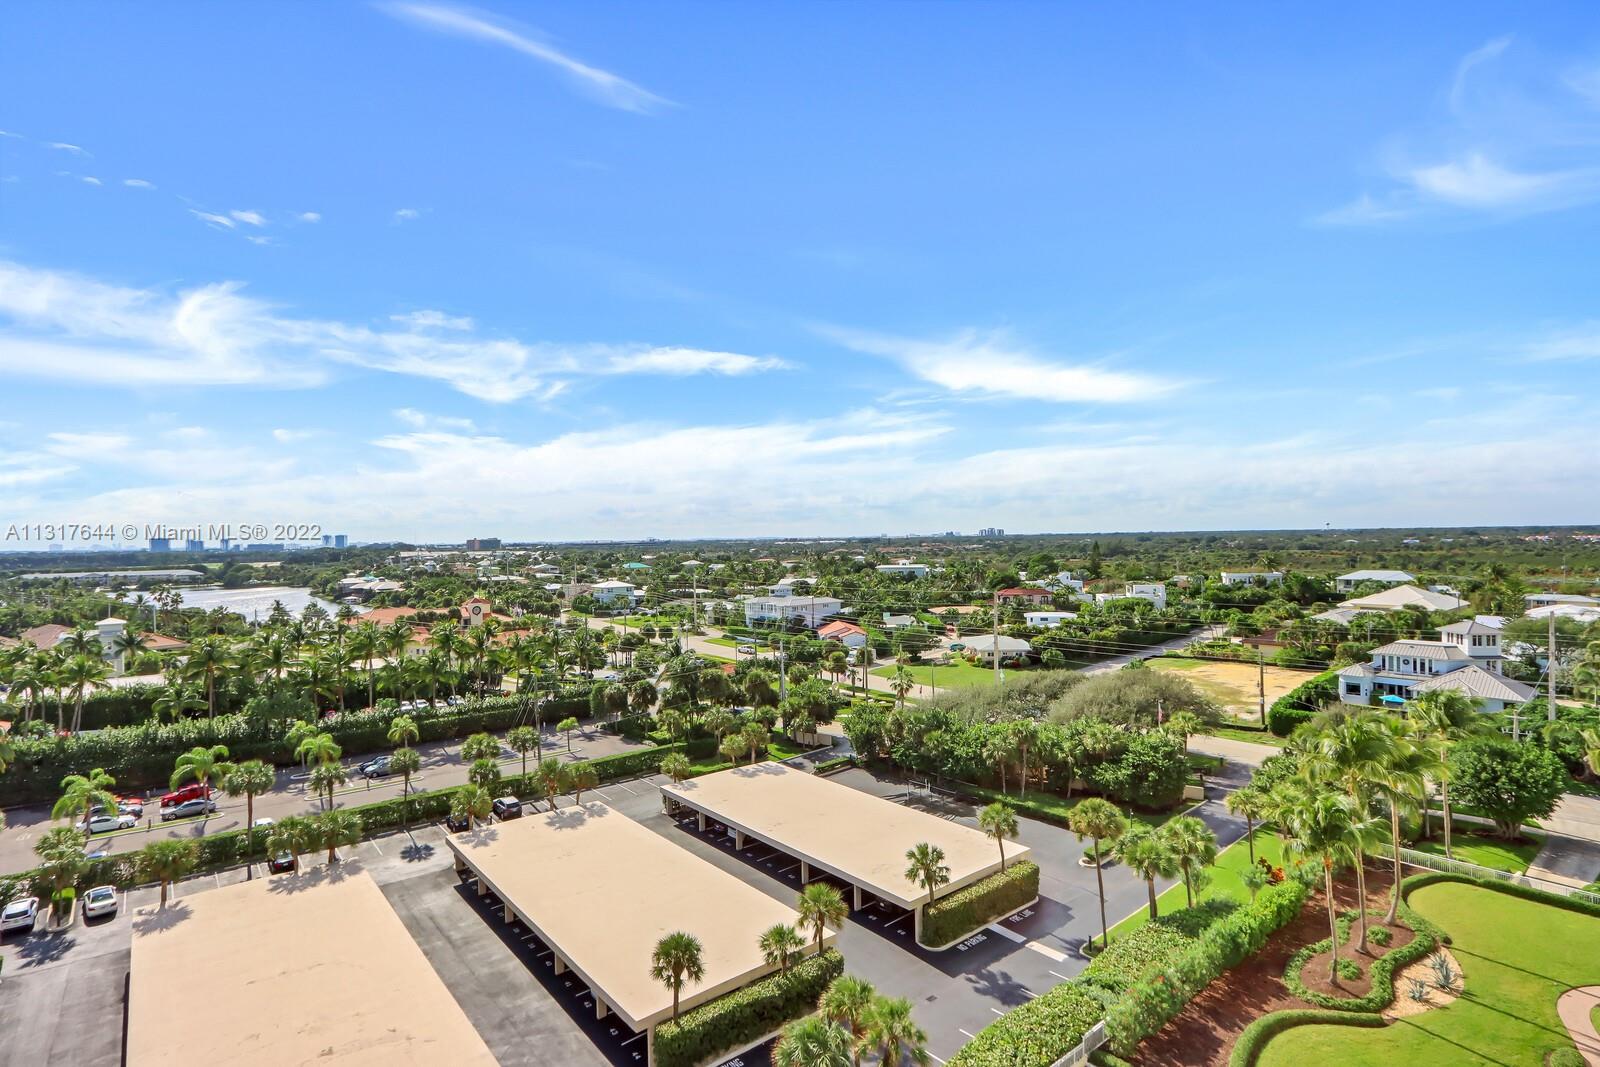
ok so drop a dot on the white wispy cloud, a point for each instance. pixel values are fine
(286, 436)
(257, 239)
(222, 221)
(406, 214)
(253, 218)
(421, 420)
(1576, 343)
(138, 183)
(65, 147)
(433, 320)
(992, 364)
(309, 216)
(88, 180)
(64, 326)
(87, 445)
(1475, 181)
(8, 133)
(601, 85)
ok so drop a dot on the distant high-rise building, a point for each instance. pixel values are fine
(483, 544)
(327, 540)
(160, 544)
(194, 544)
(341, 540)
(991, 531)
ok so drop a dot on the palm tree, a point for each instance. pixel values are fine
(1193, 845)
(779, 944)
(60, 852)
(81, 793)
(566, 726)
(336, 828)
(554, 777)
(208, 657)
(484, 772)
(1185, 724)
(176, 700)
(292, 835)
(1249, 803)
(999, 749)
(813, 1042)
(325, 778)
(1326, 827)
(1444, 717)
(364, 645)
(166, 862)
(890, 1030)
(480, 746)
(677, 958)
(201, 764)
(1353, 753)
(999, 821)
(472, 803)
(846, 1001)
(248, 779)
(1404, 779)
(821, 906)
(1099, 820)
(403, 731)
(1025, 733)
(523, 740)
(1148, 856)
(677, 766)
(756, 736)
(732, 748)
(901, 682)
(80, 674)
(407, 762)
(925, 866)
(318, 747)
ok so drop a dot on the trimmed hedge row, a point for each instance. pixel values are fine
(1255, 1037)
(1381, 995)
(746, 1014)
(953, 917)
(1302, 702)
(1036, 1034)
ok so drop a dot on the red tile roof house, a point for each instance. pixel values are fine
(1025, 596)
(847, 634)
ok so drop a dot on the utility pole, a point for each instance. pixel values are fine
(1261, 685)
(994, 619)
(1550, 674)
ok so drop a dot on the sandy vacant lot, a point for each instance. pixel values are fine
(1233, 685)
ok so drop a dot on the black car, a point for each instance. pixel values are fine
(381, 767)
(456, 825)
(507, 808)
(283, 861)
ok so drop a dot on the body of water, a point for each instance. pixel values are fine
(255, 603)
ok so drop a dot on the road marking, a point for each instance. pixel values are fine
(789, 868)
(1046, 950)
(931, 1056)
(969, 1034)
(893, 921)
(374, 844)
(998, 1012)
(634, 1038)
(1061, 976)
(1003, 932)
(1031, 994)
(625, 789)
(602, 796)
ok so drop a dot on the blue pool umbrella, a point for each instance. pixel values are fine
(1390, 698)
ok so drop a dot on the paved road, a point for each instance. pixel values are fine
(441, 766)
(1206, 633)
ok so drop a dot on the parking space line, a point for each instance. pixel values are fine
(891, 922)
(998, 1012)
(970, 1036)
(625, 789)
(1003, 932)
(789, 868)
(375, 848)
(1046, 950)
(1063, 977)
(632, 1039)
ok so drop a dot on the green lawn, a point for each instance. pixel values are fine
(1225, 883)
(1485, 851)
(1254, 737)
(1517, 955)
(958, 674)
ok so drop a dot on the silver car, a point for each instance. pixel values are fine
(101, 900)
(20, 915)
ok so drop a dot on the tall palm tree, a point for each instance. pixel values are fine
(472, 803)
(81, 793)
(523, 740)
(1444, 717)
(204, 765)
(1099, 820)
(894, 1034)
(677, 766)
(1352, 753)
(80, 674)
(821, 906)
(325, 778)
(1249, 803)
(1184, 724)
(555, 779)
(1148, 856)
(176, 700)
(294, 835)
(999, 749)
(248, 779)
(732, 748)
(756, 736)
(1403, 790)
(901, 682)
(846, 1001)
(364, 645)
(925, 867)
(581, 776)
(1193, 845)
(812, 1042)
(1326, 827)
(167, 862)
(677, 959)
(403, 731)
(407, 762)
(1026, 734)
(779, 944)
(318, 748)
(336, 828)
(60, 852)
(208, 657)
(999, 821)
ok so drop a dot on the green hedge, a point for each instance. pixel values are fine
(1302, 702)
(838, 763)
(953, 917)
(1381, 995)
(1255, 1037)
(1036, 1034)
(1154, 946)
(746, 1014)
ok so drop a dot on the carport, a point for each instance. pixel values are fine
(856, 837)
(599, 890)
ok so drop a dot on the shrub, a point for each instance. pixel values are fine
(1381, 995)
(746, 1014)
(1302, 702)
(1348, 969)
(1035, 1034)
(953, 917)
(1255, 1037)
(1565, 1057)
(839, 763)
(1506, 781)
(1379, 935)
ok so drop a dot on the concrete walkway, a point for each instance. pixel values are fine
(1576, 1008)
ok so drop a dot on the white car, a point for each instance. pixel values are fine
(20, 915)
(100, 824)
(101, 900)
(262, 823)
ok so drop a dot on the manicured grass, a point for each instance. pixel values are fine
(1513, 856)
(1254, 737)
(956, 675)
(1225, 880)
(1517, 955)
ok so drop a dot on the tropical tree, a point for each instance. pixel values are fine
(1403, 789)
(315, 747)
(333, 829)
(566, 726)
(204, 765)
(1148, 856)
(407, 762)
(472, 803)
(484, 772)
(732, 748)
(1248, 803)
(1185, 724)
(999, 749)
(581, 777)
(177, 700)
(901, 682)
(1099, 820)
(60, 852)
(208, 657)
(166, 862)
(1327, 827)
(999, 821)
(294, 835)
(1193, 845)
(925, 866)
(1025, 733)
(81, 793)
(813, 1041)
(403, 730)
(80, 674)
(248, 779)
(891, 1031)
(779, 944)
(846, 1001)
(554, 777)
(523, 740)
(821, 906)
(677, 958)
(756, 736)
(1443, 717)
(1352, 753)
(677, 766)
(325, 778)
(480, 746)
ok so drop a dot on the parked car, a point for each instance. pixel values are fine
(189, 808)
(381, 767)
(193, 791)
(20, 914)
(507, 808)
(125, 806)
(263, 822)
(283, 861)
(101, 824)
(101, 900)
(455, 825)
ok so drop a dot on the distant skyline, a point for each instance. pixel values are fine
(421, 271)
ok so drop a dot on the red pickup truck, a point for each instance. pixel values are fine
(193, 791)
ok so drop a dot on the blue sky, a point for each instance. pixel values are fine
(540, 271)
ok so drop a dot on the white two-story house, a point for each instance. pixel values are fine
(1466, 659)
(1155, 592)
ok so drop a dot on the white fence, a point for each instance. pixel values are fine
(1429, 861)
(1080, 1053)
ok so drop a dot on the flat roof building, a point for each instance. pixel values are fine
(854, 836)
(314, 967)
